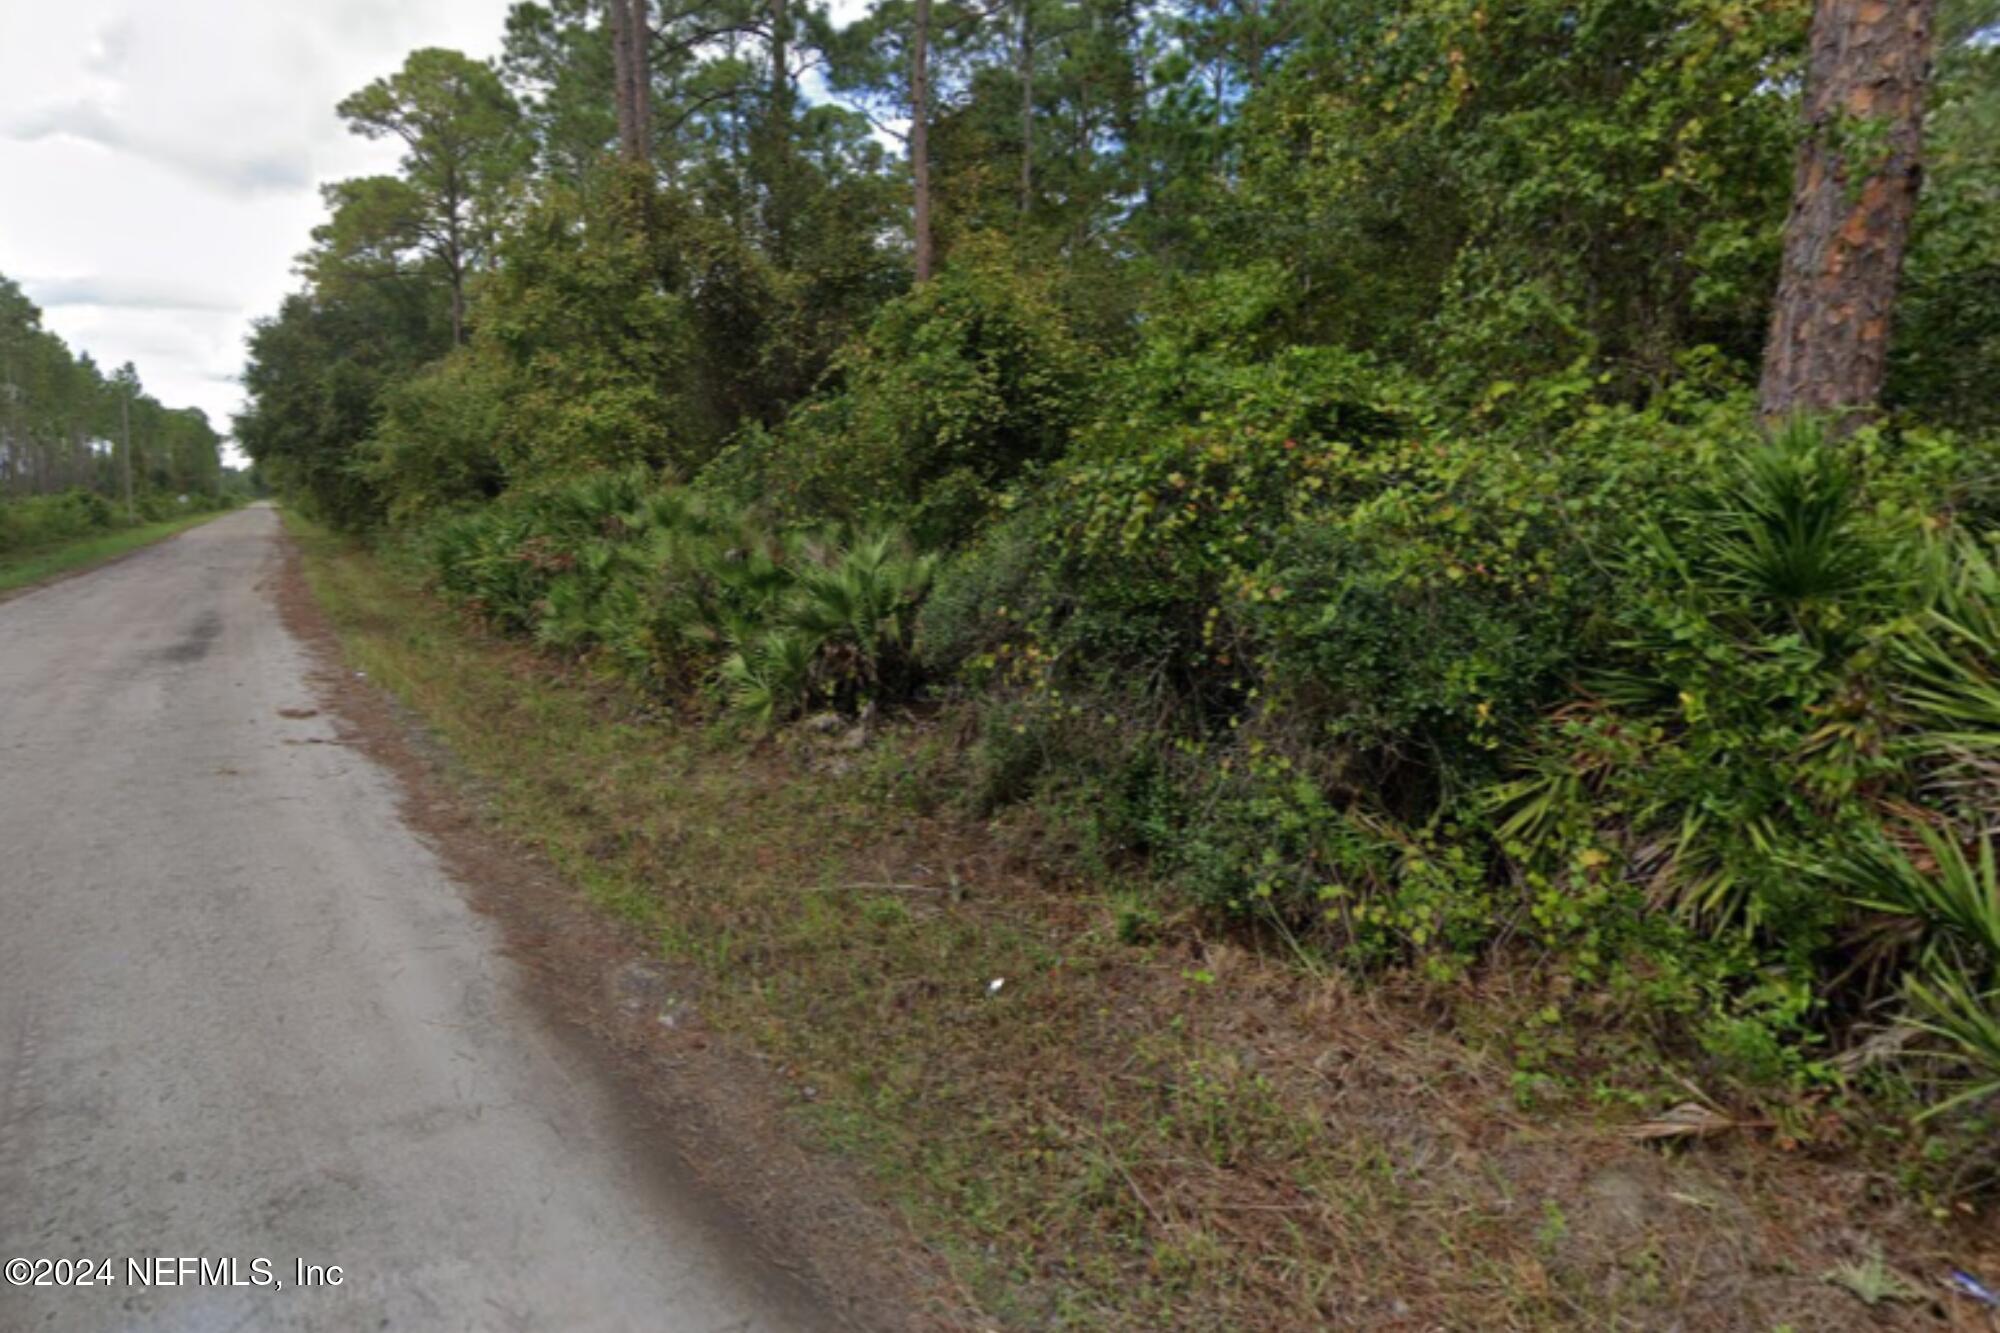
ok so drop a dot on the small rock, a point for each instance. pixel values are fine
(641, 984)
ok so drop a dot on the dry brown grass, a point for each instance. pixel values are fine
(1176, 1133)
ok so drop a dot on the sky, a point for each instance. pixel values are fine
(160, 162)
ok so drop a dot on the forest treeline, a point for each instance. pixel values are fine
(81, 451)
(1316, 445)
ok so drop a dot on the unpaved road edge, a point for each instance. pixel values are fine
(717, 1106)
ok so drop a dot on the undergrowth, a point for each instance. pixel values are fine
(67, 544)
(1633, 695)
(1101, 1110)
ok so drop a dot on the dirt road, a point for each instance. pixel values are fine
(246, 1015)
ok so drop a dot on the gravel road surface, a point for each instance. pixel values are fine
(246, 1015)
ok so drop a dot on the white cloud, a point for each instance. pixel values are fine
(161, 159)
(231, 168)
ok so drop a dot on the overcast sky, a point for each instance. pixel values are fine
(159, 162)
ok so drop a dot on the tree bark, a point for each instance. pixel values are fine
(781, 72)
(1027, 59)
(1853, 193)
(621, 72)
(920, 138)
(457, 303)
(125, 454)
(640, 30)
(777, 147)
(454, 252)
(630, 76)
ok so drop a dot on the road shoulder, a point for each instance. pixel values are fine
(1097, 1110)
(42, 569)
(718, 1107)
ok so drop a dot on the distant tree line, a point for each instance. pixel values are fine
(65, 425)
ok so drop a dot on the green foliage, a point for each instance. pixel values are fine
(1942, 908)
(65, 426)
(1273, 626)
(44, 520)
(671, 588)
(1950, 689)
(1952, 904)
(33, 524)
(1947, 336)
(460, 129)
(315, 378)
(436, 443)
(1291, 535)
(955, 390)
(1784, 536)
(1794, 665)
(839, 634)
(1332, 421)
(1968, 1024)
(1873, 1282)
(1731, 716)
(1504, 190)
(506, 559)
(860, 600)
(590, 338)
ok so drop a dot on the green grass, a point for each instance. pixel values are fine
(26, 568)
(1170, 1131)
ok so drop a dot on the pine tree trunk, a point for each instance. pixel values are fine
(1027, 58)
(630, 77)
(640, 41)
(454, 253)
(920, 138)
(1853, 194)
(621, 72)
(125, 454)
(776, 152)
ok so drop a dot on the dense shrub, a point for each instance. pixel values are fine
(436, 443)
(956, 389)
(1289, 538)
(1628, 682)
(1766, 724)
(592, 342)
(42, 520)
(675, 588)
(1706, 716)
(31, 521)
(1320, 463)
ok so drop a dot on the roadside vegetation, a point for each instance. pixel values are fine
(86, 544)
(1099, 1106)
(91, 466)
(1321, 518)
